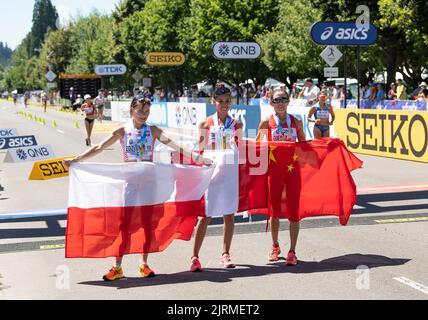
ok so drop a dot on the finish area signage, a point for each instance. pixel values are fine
(343, 33)
(236, 50)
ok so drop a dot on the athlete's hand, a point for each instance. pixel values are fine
(69, 161)
(317, 121)
(206, 161)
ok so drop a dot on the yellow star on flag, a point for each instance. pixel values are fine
(295, 157)
(290, 168)
(271, 155)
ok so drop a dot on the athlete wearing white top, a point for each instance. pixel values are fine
(137, 141)
(137, 144)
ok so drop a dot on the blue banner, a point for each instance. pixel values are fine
(342, 33)
(17, 142)
(248, 115)
(405, 105)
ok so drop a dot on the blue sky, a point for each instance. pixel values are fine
(16, 15)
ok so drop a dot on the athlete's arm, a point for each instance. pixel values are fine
(239, 129)
(159, 134)
(333, 116)
(263, 128)
(300, 132)
(98, 148)
(203, 135)
(311, 113)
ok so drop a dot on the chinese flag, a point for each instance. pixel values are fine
(311, 178)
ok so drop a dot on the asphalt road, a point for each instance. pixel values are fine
(381, 254)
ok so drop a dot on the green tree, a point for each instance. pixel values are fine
(289, 50)
(45, 18)
(155, 28)
(219, 20)
(402, 36)
(5, 54)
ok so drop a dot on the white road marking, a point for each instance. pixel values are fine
(413, 284)
(60, 131)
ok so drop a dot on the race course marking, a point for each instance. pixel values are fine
(402, 220)
(413, 284)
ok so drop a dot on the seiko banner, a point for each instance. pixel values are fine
(25, 154)
(8, 133)
(343, 33)
(16, 142)
(394, 134)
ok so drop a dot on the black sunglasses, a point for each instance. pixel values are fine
(280, 100)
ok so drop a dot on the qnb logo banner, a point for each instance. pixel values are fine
(236, 50)
(343, 33)
(25, 154)
(8, 133)
(16, 142)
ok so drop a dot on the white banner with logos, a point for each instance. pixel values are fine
(25, 154)
(8, 132)
(186, 115)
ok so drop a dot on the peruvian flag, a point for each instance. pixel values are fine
(119, 209)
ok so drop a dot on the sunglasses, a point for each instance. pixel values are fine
(280, 100)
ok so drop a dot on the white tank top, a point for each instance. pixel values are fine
(221, 135)
(137, 144)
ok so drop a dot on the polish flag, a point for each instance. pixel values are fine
(119, 209)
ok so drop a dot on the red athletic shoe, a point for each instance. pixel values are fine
(291, 258)
(145, 271)
(114, 274)
(226, 261)
(196, 265)
(274, 254)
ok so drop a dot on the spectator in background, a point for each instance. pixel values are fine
(401, 90)
(422, 87)
(99, 103)
(392, 93)
(44, 97)
(309, 92)
(422, 97)
(294, 93)
(72, 96)
(259, 93)
(147, 94)
(380, 95)
(373, 91)
(78, 103)
(367, 92)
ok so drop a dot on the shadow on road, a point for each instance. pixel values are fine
(366, 202)
(53, 228)
(220, 275)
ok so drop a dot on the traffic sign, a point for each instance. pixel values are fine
(236, 50)
(331, 55)
(110, 69)
(331, 72)
(343, 33)
(50, 76)
(147, 82)
(137, 76)
(165, 58)
(51, 85)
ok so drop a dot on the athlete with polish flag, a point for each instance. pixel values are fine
(137, 141)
